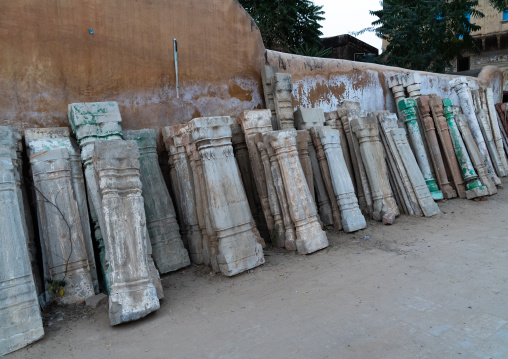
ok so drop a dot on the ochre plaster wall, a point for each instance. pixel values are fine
(326, 82)
(49, 59)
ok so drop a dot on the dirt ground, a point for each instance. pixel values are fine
(421, 288)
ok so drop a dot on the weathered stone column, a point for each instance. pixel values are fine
(309, 235)
(63, 241)
(384, 207)
(189, 228)
(395, 83)
(485, 126)
(412, 83)
(475, 154)
(460, 85)
(435, 151)
(474, 187)
(302, 146)
(408, 107)
(436, 105)
(305, 119)
(267, 73)
(325, 171)
(239, 249)
(342, 186)
(44, 139)
(282, 95)
(496, 132)
(19, 309)
(132, 294)
(168, 251)
(95, 122)
(333, 120)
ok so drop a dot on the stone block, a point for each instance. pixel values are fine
(96, 301)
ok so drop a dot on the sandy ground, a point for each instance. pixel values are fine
(421, 288)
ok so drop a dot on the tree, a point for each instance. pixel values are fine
(287, 25)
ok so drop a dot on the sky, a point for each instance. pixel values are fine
(344, 17)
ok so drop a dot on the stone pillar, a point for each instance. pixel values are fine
(325, 171)
(436, 105)
(485, 126)
(435, 151)
(189, 228)
(367, 133)
(117, 172)
(63, 241)
(489, 96)
(333, 120)
(95, 122)
(253, 122)
(342, 186)
(395, 83)
(309, 235)
(408, 107)
(305, 119)
(475, 154)
(43, 139)
(19, 309)
(474, 187)
(239, 249)
(302, 146)
(460, 85)
(412, 83)
(267, 74)
(282, 95)
(169, 253)
(289, 227)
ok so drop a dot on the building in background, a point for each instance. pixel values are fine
(347, 47)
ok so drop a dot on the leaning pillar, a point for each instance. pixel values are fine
(168, 251)
(309, 235)
(395, 83)
(267, 77)
(333, 120)
(496, 131)
(302, 146)
(239, 249)
(282, 95)
(117, 172)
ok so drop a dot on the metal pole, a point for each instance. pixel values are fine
(175, 48)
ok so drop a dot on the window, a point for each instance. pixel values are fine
(463, 64)
(505, 15)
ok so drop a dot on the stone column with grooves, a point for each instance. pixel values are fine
(474, 187)
(486, 128)
(435, 151)
(333, 120)
(92, 122)
(302, 146)
(395, 83)
(63, 241)
(496, 131)
(305, 119)
(408, 107)
(239, 249)
(309, 235)
(43, 139)
(282, 95)
(117, 172)
(189, 228)
(19, 309)
(168, 251)
(460, 85)
(384, 207)
(351, 216)
(267, 74)
(436, 105)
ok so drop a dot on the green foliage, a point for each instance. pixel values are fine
(313, 51)
(499, 5)
(426, 34)
(286, 24)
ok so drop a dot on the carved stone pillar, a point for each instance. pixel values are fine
(384, 206)
(496, 132)
(485, 126)
(474, 187)
(95, 122)
(239, 249)
(435, 151)
(282, 95)
(408, 107)
(309, 235)
(169, 253)
(305, 119)
(460, 85)
(132, 293)
(333, 120)
(189, 228)
(253, 122)
(342, 186)
(43, 139)
(302, 146)
(395, 83)
(267, 73)
(436, 104)
(63, 241)
(412, 83)
(19, 309)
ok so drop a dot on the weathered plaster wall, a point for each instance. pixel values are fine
(49, 59)
(325, 82)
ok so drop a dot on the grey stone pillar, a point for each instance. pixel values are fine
(267, 76)
(496, 131)
(302, 146)
(333, 120)
(282, 95)
(132, 293)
